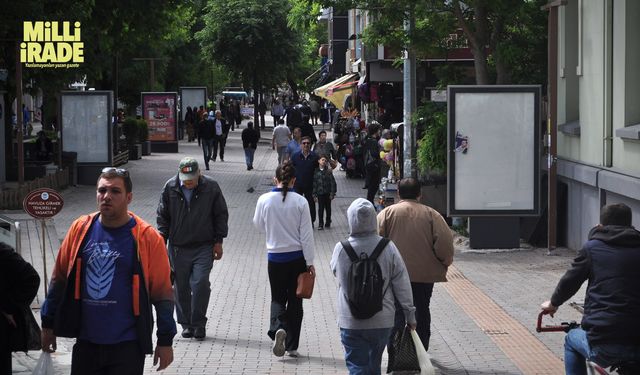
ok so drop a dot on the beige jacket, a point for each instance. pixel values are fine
(422, 237)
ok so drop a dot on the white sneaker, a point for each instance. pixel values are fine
(293, 353)
(278, 344)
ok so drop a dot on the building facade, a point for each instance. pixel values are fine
(598, 110)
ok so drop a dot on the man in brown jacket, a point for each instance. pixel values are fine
(426, 245)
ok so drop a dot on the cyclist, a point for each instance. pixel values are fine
(610, 328)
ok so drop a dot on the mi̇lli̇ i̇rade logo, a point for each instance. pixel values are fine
(51, 44)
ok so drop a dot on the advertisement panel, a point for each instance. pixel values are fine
(494, 150)
(193, 97)
(86, 125)
(159, 110)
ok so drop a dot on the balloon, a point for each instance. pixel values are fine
(381, 142)
(382, 154)
(388, 144)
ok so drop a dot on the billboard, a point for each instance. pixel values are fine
(159, 110)
(494, 150)
(193, 97)
(87, 127)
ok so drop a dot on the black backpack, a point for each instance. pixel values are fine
(364, 291)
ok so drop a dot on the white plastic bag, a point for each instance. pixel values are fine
(426, 368)
(44, 365)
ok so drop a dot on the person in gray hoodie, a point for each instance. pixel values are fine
(364, 340)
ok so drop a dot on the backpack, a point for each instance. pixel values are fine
(364, 291)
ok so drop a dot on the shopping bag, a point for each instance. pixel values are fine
(44, 365)
(402, 352)
(305, 285)
(424, 359)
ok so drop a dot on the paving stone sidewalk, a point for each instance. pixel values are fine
(517, 281)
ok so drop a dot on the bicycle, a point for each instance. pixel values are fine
(622, 368)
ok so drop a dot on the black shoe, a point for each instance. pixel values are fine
(327, 225)
(199, 333)
(248, 168)
(187, 333)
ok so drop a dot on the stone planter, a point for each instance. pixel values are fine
(146, 148)
(434, 193)
(135, 151)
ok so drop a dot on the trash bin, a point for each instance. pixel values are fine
(70, 160)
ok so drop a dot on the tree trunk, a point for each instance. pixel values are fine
(256, 114)
(502, 71)
(294, 89)
(481, 66)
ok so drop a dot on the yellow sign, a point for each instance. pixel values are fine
(51, 44)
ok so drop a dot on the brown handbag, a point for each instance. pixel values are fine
(305, 285)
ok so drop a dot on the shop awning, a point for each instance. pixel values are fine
(337, 90)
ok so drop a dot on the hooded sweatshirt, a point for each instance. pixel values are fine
(610, 261)
(364, 238)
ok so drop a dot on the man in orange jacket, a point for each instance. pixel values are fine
(110, 268)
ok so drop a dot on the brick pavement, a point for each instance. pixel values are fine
(516, 282)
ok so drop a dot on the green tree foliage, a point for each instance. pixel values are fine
(507, 37)
(253, 41)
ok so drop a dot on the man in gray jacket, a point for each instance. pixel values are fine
(192, 216)
(364, 340)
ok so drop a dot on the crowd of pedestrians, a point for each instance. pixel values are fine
(113, 268)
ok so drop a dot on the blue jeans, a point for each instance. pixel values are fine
(248, 156)
(577, 350)
(363, 349)
(192, 289)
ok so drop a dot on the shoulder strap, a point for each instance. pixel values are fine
(381, 245)
(349, 249)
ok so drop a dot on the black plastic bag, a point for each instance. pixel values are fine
(402, 352)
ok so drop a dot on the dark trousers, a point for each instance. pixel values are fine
(124, 358)
(207, 146)
(192, 288)
(421, 299)
(219, 141)
(275, 120)
(372, 181)
(262, 123)
(5, 347)
(308, 194)
(324, 203)
(286, 308)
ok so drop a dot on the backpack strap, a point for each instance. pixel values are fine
(349, 249)
(381, 245)
(374, 255)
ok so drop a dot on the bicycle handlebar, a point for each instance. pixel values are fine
(563, 327)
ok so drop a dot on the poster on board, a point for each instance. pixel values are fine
(87, 127)
(159, 110)
(494, 150)
(194, 97)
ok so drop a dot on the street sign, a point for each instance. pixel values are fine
(42, 203)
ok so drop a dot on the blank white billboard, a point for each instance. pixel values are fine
(493, 163)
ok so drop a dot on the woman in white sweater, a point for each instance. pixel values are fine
(284, 216)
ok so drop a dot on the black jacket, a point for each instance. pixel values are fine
(19, 284)
(203, 221)
(206, 129)
(610, 261)
(250, 138)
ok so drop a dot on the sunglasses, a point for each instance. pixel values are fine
(119, 171)
(306, 143)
